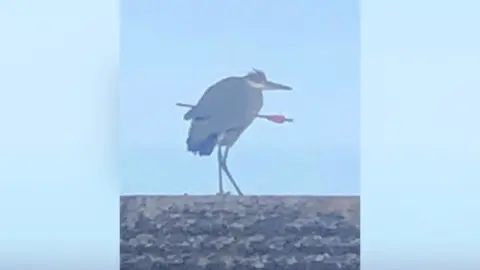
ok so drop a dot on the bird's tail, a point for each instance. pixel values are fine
(203, 147)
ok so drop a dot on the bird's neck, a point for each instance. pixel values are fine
(255, 85)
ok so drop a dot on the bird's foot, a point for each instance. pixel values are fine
(223, 193)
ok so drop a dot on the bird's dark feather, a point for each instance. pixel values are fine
(188, 115)
(204, 147)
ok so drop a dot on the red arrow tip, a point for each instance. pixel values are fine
(278, 118)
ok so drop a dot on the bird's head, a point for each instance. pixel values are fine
(258, 80)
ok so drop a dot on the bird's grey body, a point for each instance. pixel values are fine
(238, 104)
(223, 113)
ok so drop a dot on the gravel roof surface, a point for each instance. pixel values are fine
(232, 232)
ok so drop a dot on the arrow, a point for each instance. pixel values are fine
(276, 118)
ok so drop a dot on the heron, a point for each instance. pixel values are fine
(223, 113)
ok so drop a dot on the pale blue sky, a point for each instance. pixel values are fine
(173, 50)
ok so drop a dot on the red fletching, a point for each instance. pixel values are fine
(279, 119)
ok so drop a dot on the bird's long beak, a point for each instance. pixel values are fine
(268, 85)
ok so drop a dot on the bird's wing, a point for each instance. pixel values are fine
(217, 98)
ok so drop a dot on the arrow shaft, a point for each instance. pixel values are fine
(258, 115)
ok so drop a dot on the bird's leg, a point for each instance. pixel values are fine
(220, 161)
(227, 172)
